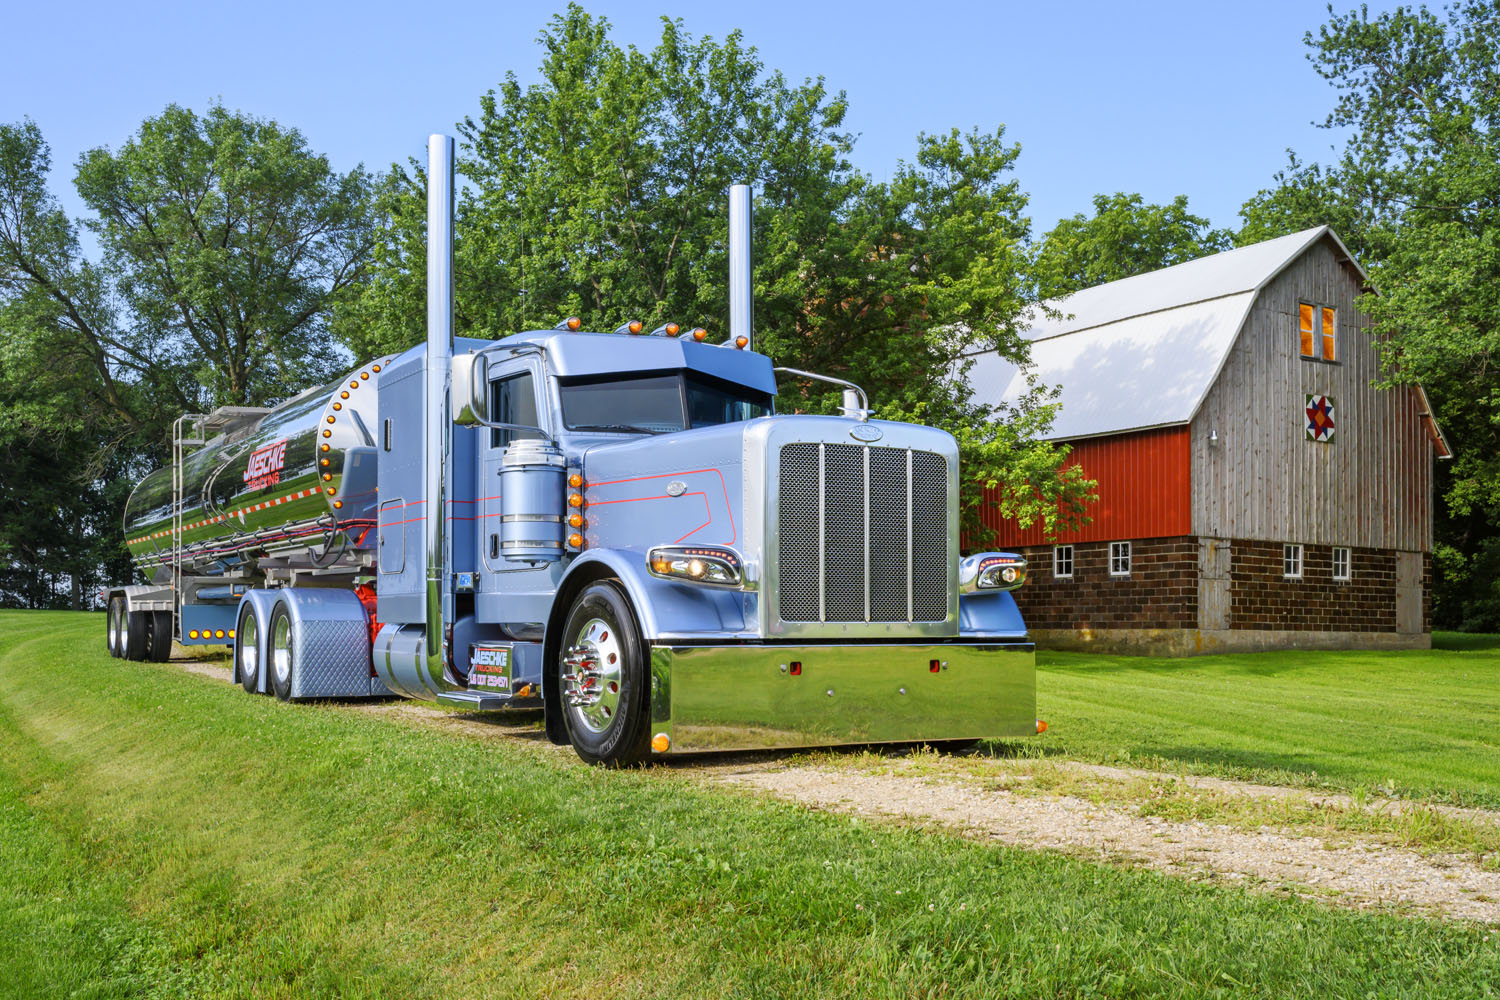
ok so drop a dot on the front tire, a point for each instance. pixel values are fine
(247, 665)
(604, 682)
(283, 652)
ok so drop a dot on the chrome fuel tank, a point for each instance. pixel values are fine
(295, 479)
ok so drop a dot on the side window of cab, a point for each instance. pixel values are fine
(513, 401)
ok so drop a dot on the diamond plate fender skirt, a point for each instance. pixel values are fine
(262, 601)
(331, 640)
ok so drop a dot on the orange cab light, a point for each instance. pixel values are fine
(327, 477)
(1041, 725)
(344, 394)
(330, 491)
(338, 406)
(700, 334)
(364, 376)
(575, 520)
(354, 384)
(330, 418)
(325, 447)
(575, 500)
(219, 634)
(324, 461)
(575, 480)
(338, 505)
(193, 634)
(672, 329)
(661, 743)
(634, 326)
(374, 368)
(740, 343)
(572, 324)
(576, 541)
(328, 434)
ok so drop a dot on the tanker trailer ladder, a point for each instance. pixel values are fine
(178, 443)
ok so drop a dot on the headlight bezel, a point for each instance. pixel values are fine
(717, 565)
(987, 573)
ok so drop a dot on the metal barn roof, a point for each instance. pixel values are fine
(1143, 351)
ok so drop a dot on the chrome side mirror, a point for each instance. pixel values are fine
(470, 389)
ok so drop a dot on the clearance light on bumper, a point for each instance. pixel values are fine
(991, 571)
(715, 566)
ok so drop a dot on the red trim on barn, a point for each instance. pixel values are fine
(1144, 490)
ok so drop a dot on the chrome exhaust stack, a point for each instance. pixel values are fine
(437, 410)
(741, 267)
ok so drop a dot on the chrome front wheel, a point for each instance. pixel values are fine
(604, 681)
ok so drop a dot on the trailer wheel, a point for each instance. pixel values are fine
(114, 627)
(283, 654)
(135, 635)
(159, 632)
(604, 679)
(247, 649)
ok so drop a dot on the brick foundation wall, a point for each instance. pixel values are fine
(1261, 598)
(1160, 592)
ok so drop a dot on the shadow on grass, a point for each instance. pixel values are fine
(1467, 642)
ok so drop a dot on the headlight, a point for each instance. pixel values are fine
(991, 571)
(714, 566)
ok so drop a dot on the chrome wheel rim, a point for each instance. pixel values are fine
(249, 648)
(591, 676)
(281, 650)
(117, 627)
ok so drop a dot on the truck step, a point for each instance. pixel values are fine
(485, 701)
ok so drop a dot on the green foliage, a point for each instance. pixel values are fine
(225, 241)
(601, 190)
(1416, 193)
(228, 239)
(1125, 237)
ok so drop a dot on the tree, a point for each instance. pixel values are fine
(1416, 192)
(225, 241)
(1125, 237)
(601, 192)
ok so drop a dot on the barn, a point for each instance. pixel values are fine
(1255, 490)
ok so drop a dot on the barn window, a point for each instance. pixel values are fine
(1062, 561)
(1341, 564)
(1291, 562)
(1316, 326)
(1119, 558)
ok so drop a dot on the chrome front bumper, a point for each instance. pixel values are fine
(744, 697)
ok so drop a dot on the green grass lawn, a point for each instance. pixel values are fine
(1418, 723)
(165, 835)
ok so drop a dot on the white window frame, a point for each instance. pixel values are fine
(1119, 556)
(1058, 561)
(1291, 561)
(1348, 561)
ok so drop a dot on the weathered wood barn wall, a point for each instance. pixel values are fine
(1222, 523)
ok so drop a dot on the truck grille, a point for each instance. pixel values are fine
(863, 534)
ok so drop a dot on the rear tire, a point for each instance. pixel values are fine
(135, 635)
(159, 630)
(604, 682)
(114, 627)
(282, 652)
(247, 665)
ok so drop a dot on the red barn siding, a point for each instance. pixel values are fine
(1144, 490)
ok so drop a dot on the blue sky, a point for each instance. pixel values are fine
(1199, 98)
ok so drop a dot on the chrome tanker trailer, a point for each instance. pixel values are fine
(614, 528)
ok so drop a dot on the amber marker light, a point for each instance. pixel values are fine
(338, 406)
(354, 384)
(575, 480)
(324, 461)
(330, 491)
(193, 634)
(219, 634)
(338, 505)
(374, 368)
(575, 500)
(327, 477)
(576, 541)
(231, 633)
(330, 418)
(575, 520)
(700, 334)
(344, 394)
(364, 376)
(328, 434)
(1041, 725)
(325, 447)
(740, 343)
(572, 324)
(661, 743)
(672, 329)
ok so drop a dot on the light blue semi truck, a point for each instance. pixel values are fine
(615, 528)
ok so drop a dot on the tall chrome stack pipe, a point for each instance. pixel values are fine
(741, 267)
(437, 471)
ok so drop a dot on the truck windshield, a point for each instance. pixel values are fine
(656, 404)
